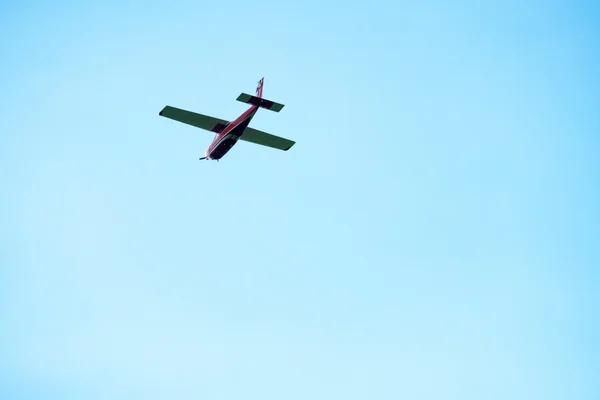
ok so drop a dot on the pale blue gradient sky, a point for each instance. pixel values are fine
(432, 235)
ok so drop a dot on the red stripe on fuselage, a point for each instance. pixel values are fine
(218, 140)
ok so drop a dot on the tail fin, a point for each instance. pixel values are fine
(258, 99)
(260, 87)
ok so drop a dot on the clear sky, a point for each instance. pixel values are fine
(434, 233)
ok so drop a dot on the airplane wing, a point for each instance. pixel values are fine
(217, 125)
(266, 139)
(191, 118)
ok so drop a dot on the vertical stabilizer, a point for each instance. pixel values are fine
(259, 88)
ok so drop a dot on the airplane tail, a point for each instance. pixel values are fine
(258, 99)
(260, 87)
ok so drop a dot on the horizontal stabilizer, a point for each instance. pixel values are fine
(266, 139)
(258, 101)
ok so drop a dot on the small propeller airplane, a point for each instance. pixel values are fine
(228, 133)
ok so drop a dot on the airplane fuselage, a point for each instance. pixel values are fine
(225, 140)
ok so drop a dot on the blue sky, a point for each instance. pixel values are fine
(432, 234)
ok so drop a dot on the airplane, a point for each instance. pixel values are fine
(228, 133)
